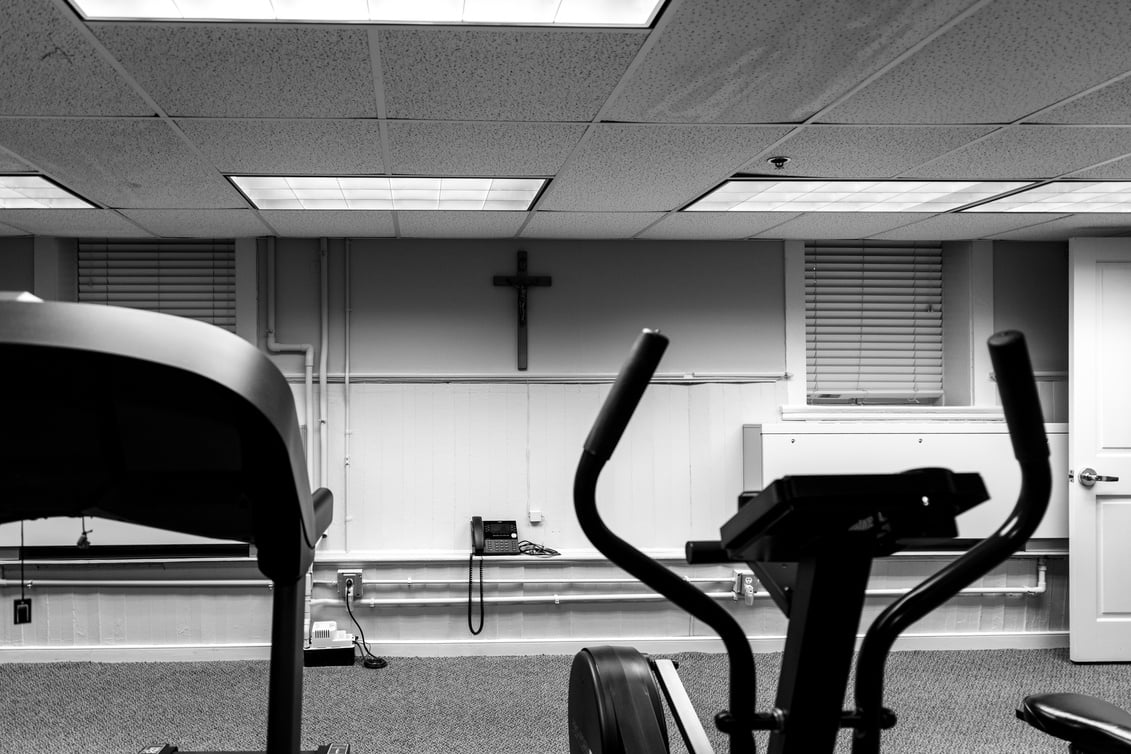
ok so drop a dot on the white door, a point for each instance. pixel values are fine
(1099, 516)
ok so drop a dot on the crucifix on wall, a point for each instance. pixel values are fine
(521, 282)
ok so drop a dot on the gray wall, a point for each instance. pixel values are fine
(17, 264)
(429, 307)
(1031, 295)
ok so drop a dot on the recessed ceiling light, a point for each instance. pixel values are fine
(619, 13)
(1065, 196)
(848, 196)
(399, 193)
(36, 192)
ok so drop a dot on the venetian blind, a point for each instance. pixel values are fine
(195, 279)
(873, 322)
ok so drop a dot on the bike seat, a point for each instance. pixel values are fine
(1093, 725)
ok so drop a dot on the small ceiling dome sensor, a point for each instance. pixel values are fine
(778, 162)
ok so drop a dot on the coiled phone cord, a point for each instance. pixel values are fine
(470, 563)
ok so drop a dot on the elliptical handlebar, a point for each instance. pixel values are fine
(1019, 401)
(625, 395)
(613, 418)
(1021, 406)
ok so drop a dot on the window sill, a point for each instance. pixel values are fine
(891, 413)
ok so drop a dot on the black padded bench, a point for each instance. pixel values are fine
(1090, 725)
(170, 423)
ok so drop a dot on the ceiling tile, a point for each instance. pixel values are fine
(1009, 59)
(864, 151)
(1063, 228)
(138, 163)
(232, 70)
(72, 223)
(715, 225)
(631, 168)
(958, 226)
(50, 69)
(288, 147)
(782, 62)
(331, 223)
(460, 224)
(199, 223)
(502, 74)
(9, 164)
(1108, 105)
(1031, 152)
(588, 224)
(1116, 170)
(8, 230)
(482, 149)
(848, 225)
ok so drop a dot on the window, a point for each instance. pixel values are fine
(873, 322)
(194, 279)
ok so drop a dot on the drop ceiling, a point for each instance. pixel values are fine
(147, 120)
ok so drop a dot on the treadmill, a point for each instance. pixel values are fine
(166, 422)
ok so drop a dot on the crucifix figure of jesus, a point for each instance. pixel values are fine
(522, 282)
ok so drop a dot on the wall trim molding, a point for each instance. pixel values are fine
(661, 378)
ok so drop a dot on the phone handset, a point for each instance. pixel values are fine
(477, 543)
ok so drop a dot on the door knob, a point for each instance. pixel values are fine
(1088, 477)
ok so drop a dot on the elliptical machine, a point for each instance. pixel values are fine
(811, 541)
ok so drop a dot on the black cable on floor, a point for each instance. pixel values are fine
(369, 660)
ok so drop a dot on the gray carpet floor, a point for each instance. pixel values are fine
(947, 703)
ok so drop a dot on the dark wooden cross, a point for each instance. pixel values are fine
(522, 282)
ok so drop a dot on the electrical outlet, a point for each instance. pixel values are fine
(348, 575)
(742, 584)
(22, 610)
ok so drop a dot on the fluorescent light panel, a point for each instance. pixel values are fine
(1065, 197)
(400, 193)
(620, 13)
(849, 196)
(36, 192)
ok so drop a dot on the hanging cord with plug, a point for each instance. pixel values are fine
(368, 659)
(84, 541)
(470, 563)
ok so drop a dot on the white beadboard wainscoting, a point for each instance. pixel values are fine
(425, 458)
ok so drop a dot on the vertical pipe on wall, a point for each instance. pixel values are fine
(305, 348)
(346, 408)
(323, 358)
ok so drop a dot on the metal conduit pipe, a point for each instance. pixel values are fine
(1040, 588)
(307, 349)
(487, 582)
(346, 404)
(558, 599)
(323, 358)
(534, 599)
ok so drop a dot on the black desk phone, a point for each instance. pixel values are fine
(494, 537)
